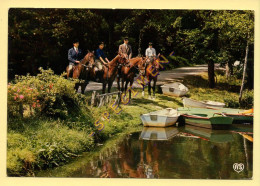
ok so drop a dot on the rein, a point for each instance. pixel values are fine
(87, 60)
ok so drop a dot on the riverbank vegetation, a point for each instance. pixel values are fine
(56, 129)
(49, 124)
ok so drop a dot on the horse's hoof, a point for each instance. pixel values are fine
(149, 97)
(143, 94)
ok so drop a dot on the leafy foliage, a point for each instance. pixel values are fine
(47, 144)
(44, 94)
(42, 37)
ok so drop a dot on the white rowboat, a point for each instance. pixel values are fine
(187, 102)
(161, 118)
(174, 89)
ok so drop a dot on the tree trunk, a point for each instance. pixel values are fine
(227, 71)
(211, 73)
(140, 42)
(244, 74)
(231, 70)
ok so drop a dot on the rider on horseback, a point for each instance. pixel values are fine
(126, 50)
(150, 54)
(74, 55)
(101, 58)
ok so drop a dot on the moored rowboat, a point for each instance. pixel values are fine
(174, 89)
(161, 118)
(187, 102)
(239, 116)
(204, 118)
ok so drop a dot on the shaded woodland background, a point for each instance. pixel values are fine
(42, 37)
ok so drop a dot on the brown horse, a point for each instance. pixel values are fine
(128, 73)
(108, 74)
(81, 71)
(151, 74)
(111, 70)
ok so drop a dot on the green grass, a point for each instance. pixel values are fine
(43, 144)
(226, 91)
(66, 170)
(198, 88)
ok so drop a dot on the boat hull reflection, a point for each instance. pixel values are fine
(216, 136)
(155, 133)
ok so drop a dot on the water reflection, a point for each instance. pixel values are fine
(186, 152)
(156, 133)
(216, 136)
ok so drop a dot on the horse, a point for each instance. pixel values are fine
(81, 71)
(111, 70)
(128, 73)
(108, 74)
(151, 73)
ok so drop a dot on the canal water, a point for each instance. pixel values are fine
(182, 153)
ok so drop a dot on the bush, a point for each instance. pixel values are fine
(38, 142)
(46, 93)
(247, 100)
(20, 157)
(231, 102)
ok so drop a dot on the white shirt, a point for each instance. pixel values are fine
(76, 49)
(126, 46)
(150, 52)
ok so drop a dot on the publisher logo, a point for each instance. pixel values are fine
(238, 167)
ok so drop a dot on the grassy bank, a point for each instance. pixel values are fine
(226, 90)
(41, 142)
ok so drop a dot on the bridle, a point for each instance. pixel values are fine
(87, 60)
(117, 64)
(136, 67)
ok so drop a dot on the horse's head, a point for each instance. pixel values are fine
(123, 58)
(90, 58)
(141, 65)
(156, 62)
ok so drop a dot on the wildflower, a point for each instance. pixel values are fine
(21, 96)
(15, 97)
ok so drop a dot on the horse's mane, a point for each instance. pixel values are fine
(113, 60)
(85, 57)
(136, 59)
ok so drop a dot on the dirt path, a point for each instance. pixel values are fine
(164, 77)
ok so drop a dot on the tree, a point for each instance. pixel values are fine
(246, 30)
